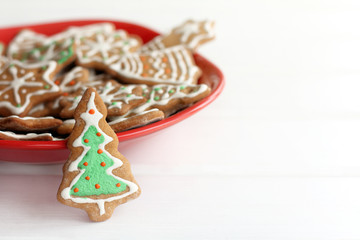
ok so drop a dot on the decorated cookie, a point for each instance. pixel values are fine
(135, 119)
(24, 86)
(30, 47)
(172, 66)
(72, 80)
(6, 135)
(118, 98)
(29, 124)
(101, 49)
(191, 34)
(97, 178)
(166, 98)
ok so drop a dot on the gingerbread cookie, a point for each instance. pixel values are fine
(174, 65)
(66, 127)
(135, 119)
(101, 49)
(72, 80)
(24, 86)
(29, 124)
(119, 99)
(191, 34)
(6, 135)
(30, 47)
(97, 178)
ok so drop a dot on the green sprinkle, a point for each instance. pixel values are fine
(171, 91)
(11, 65)
(43, 67)
(69, 53)
(63, 53)
(157, 89)
(116, 36)
(41, 58)
(126, 42)
(46, 86)
(144, 95)
(148, 101)
(113, 103)
(156, 98)
(18, 105)
(129, 95)
(75, 97)
(182, 87)
(123, 88)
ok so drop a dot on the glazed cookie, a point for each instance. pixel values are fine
(191, 34)
(174, 65)
(119, 99)
(101, 49)
(72, 80)
(97, 178)
(168, 99)
(6, 135)
(134, 120)
(24, 86)
(30, 47)
(29, 124)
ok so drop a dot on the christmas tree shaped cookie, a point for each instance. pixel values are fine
(97, 178)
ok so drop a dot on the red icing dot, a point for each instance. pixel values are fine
(85, 164)
(99, 151)
(57, 82)
(118, 184)
(164, 59)
(65, 94)
(97, 186)
(168, 70)
(143, 58)
(91, 111)
(144, 75)
(146, 66)
(98, 134)
(87, 178)
(86, 140)
(103, 164)
(72, 82)
(76, 189)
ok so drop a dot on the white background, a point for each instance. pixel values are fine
(276, 156)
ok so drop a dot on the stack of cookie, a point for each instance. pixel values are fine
(43, 78)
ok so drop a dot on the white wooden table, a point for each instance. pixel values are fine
(275, 157)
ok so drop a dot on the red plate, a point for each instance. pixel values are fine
(56, 151)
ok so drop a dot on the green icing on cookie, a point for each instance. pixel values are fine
(65, 55)
(95, 180)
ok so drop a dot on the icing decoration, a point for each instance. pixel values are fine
(18, 76)
(105, 48)
(172, 65)
(86, 188)
(191, 34)
(96, 168)
(29, 136)
(155, 99)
